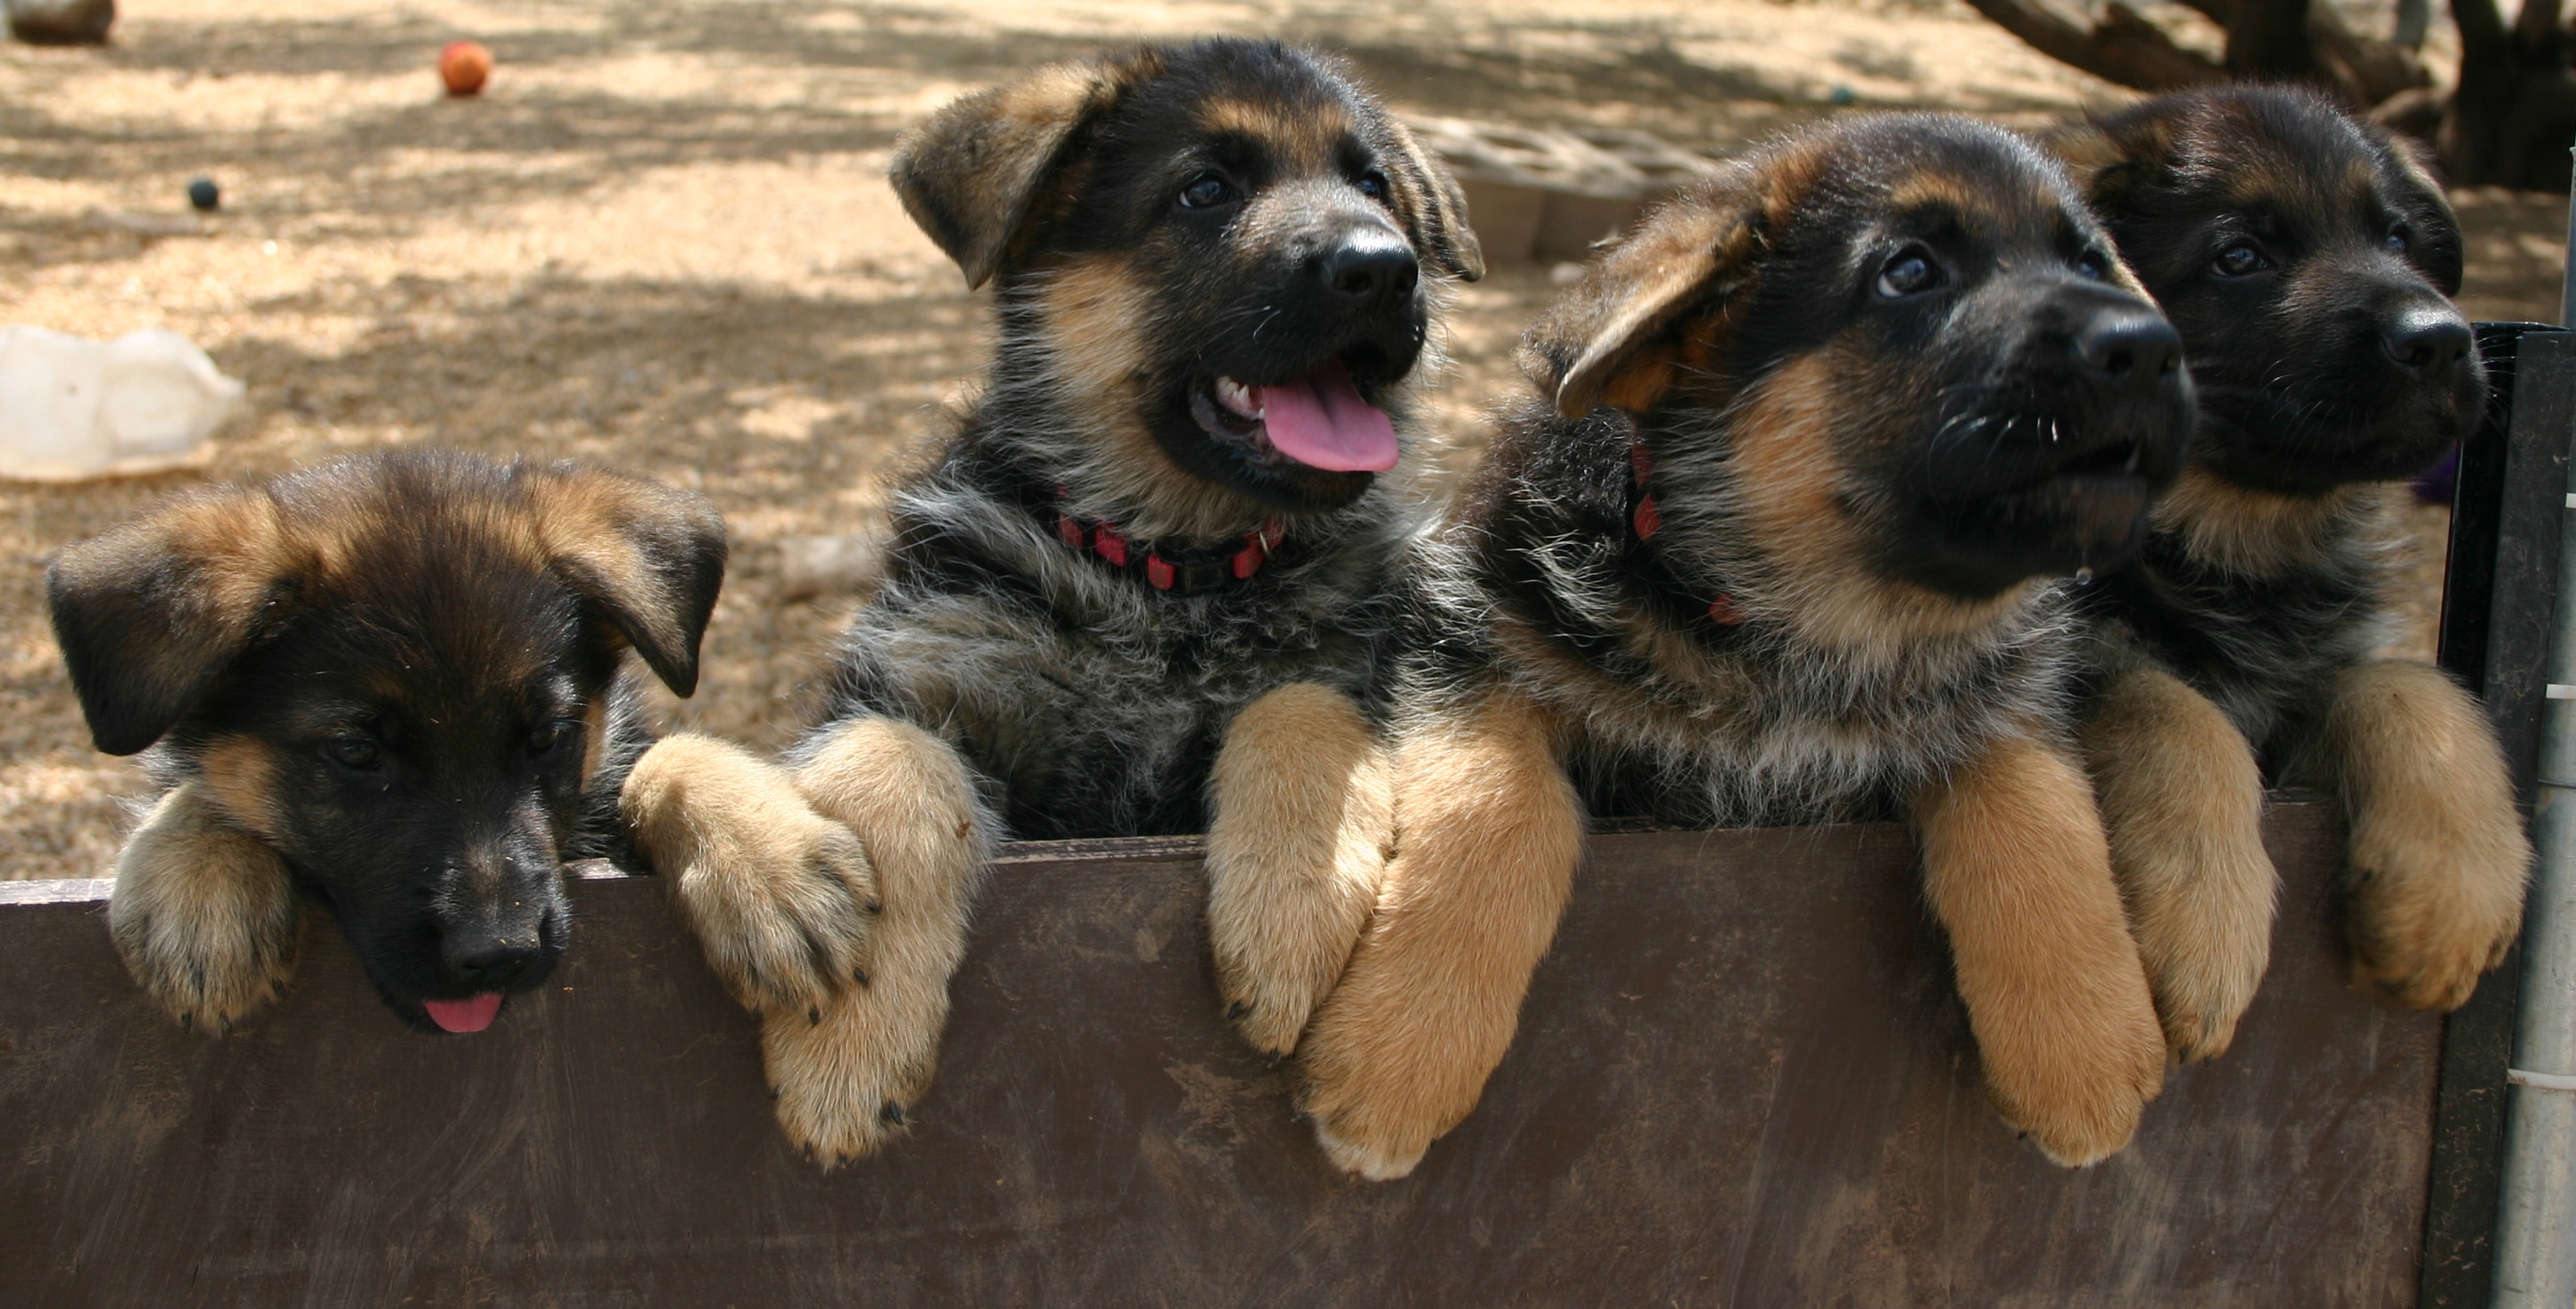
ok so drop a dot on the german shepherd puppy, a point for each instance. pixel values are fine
(392, 682)
(2307, 259)
(1776, 542)
(1154, 548)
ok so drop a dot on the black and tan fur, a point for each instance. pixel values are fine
(392, 683)
(2306, 258)
(1883, 382)
(1151, 219)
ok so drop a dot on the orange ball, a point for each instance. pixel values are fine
(464, 66)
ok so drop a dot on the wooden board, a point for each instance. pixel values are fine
(1742, 1080)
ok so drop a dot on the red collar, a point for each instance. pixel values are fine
(1184, 571)
(1645, 520)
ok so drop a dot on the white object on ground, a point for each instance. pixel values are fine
(812, 566)
(72, 409)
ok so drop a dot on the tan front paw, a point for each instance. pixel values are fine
(2200, 1001)
(1382, 1078)
(848, 1078)
(2077, 1091)
(782, 899)
(784, 911)
(1269, 1001)
(2427, 950)
(2435, 888)
(1375, 1141)
(1282, 939)
(2181, 800)
(2439, 860)
(1303, 813)
(203, 914)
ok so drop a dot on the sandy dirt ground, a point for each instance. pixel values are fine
(662, 238)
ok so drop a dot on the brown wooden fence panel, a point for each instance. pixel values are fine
(1742, 1080)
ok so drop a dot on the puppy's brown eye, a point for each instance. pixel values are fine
(1911, 272)
(2094, 266)
(1206, 191)
(2399, 238)
(353, 752)
(2239, 260)
(547, 738)
(1373, 185)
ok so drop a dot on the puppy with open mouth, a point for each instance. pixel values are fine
(1778, 541)
(2308, 260)
(393, 684)
(1154, 549)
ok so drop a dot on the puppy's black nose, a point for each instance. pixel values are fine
(482, 958)
(1370, 267)
(2427, 341)
(2134, 349)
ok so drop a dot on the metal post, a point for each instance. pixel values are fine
(2536, 1221)
(2567, 280)
(2536, 1215)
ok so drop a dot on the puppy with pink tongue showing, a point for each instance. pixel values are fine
(391, 687)
(463, 1016)
(1150, 562)
(1319, 420)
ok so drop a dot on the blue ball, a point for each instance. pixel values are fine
(203, 194)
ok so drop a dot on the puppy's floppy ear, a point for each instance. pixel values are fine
(1605, 341)
(2109, 156)
(972, 175)
(1440, 223)
(150, 612)
(652, 557)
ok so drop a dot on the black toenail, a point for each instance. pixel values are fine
(874, 908)
(814, 1016)
(1236, 1010)
(892, 1113)
(859, 975)
(1273, 1058)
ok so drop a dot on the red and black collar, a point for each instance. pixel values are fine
(1180, 570)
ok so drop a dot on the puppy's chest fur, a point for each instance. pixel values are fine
(2258, 631)
(1093, 703)
(1670, 713)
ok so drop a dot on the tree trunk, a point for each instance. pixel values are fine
(2271, 39)
(2123, 47)
(2268, 39)
(2514, 114)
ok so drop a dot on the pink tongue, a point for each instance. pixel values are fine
(464, 1015)
(1320, 421)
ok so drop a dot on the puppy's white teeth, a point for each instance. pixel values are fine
(1237, 397)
